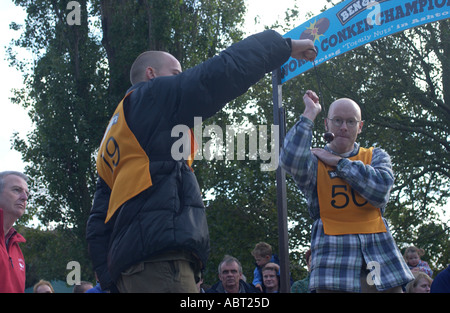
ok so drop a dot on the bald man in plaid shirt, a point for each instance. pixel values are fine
(347, 188)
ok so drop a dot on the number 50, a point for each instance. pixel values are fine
(343, 197)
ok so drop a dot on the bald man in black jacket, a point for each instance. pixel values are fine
(147, 231)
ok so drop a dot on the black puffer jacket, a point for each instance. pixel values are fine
(170, 214)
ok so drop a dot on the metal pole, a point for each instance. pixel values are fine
(279, 119)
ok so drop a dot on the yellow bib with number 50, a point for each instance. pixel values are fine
(121, 162)
(342, 209)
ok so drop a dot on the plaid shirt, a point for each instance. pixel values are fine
(337, 261)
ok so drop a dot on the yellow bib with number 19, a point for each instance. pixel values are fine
(121, 162)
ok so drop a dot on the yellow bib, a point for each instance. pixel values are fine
(342, 209)
(121, 162)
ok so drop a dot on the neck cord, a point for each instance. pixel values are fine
(320, 88)
(329, 137)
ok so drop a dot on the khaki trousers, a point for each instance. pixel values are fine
(173, 276)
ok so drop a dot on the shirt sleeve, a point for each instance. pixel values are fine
(372, 181)
(296, 157)
(257, 279)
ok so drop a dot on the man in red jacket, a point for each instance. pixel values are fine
(13, 200)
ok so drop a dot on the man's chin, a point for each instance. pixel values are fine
(342, 144)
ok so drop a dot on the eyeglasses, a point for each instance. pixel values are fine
(339, 121)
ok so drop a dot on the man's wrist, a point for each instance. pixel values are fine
(310, 115)
(306, 120)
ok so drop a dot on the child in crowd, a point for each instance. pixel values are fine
(263, 255)
(412, 257)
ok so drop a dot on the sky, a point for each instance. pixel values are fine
(13, 118)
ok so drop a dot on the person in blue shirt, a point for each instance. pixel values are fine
(263, 255)
(441, 283)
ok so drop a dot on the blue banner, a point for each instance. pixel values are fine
(353, 23)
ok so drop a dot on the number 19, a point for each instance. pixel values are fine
(114, 155)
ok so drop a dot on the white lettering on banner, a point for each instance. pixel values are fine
(354, 8)
(353, 23)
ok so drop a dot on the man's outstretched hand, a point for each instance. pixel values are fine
(303, 49)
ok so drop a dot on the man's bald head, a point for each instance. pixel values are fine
(348, 111)
(346, 105)
(153, 63)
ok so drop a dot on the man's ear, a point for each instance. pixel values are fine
(360, 127)
(150, 73)
(326, 124)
